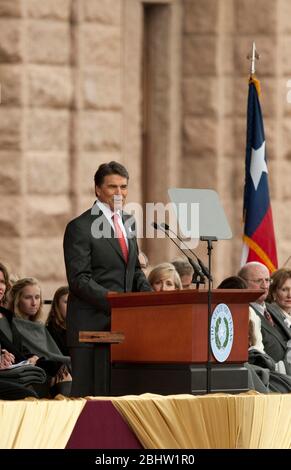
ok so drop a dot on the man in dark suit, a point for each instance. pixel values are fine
(101, 256)
(275, 338)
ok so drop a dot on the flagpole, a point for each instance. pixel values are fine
(287, 261)
(252, 57)
(259, 236)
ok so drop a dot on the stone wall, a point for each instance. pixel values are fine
(71, 98)
(217, 36)
(60, 116)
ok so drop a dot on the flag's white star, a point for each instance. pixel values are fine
(258, 164)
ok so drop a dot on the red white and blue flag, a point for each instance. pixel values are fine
(259, 238)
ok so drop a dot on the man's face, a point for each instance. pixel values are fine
(113, 191)
(258, 277)
(186, 280)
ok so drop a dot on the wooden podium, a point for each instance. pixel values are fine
(165, 349)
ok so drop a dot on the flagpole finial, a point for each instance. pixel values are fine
(252, 57)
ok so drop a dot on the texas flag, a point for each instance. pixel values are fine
(259, 238)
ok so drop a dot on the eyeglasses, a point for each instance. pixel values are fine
(267, 280)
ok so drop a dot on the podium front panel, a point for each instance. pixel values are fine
(173, 333)
(168, 333)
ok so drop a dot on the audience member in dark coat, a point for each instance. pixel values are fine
(56, 323)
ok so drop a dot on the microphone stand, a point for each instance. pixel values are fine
(197, 269)
(207, 272)
(209, 241)
(204, 270)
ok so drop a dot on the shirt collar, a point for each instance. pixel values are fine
(106, 208)
(260, 307)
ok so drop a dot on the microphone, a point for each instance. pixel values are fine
(202, 266)
(197, 269)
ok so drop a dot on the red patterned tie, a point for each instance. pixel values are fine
(268, 317)
(120, 237)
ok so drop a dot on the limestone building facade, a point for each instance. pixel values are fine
(159, 85)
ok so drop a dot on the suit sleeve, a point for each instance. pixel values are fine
(77, 253)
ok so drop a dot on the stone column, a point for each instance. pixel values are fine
(11, 135)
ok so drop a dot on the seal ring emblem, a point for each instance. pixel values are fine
(221, 332)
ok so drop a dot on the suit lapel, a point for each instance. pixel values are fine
(271, 329)
(130, 238)
(279, 319)
(115, 244)
(112, 240)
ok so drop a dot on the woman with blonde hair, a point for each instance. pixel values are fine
(25, 301)
(27, 340)
(164, 277)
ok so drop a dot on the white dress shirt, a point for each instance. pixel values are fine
(108, 214)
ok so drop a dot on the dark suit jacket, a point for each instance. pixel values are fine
(274, 338)
(277, 316)
(21, 353)
(94, 266)
(59, 335)
(15, 346)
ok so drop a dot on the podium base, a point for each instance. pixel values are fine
(171, 379)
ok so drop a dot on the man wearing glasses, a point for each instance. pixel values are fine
(257, 276)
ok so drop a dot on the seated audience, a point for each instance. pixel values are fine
(25, 303)
(143, 261)
(279, 298)
(8, 340)
(264, 373)
(164, 277)
(255, 335)
(185, 271)
(4, 285)
(56, 323)
(23, 380)
(17, 383)
(275, 335)
(233, 282)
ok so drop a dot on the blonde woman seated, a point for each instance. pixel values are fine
(164, 277)
(25, 302)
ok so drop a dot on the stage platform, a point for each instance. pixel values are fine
(214, 421)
